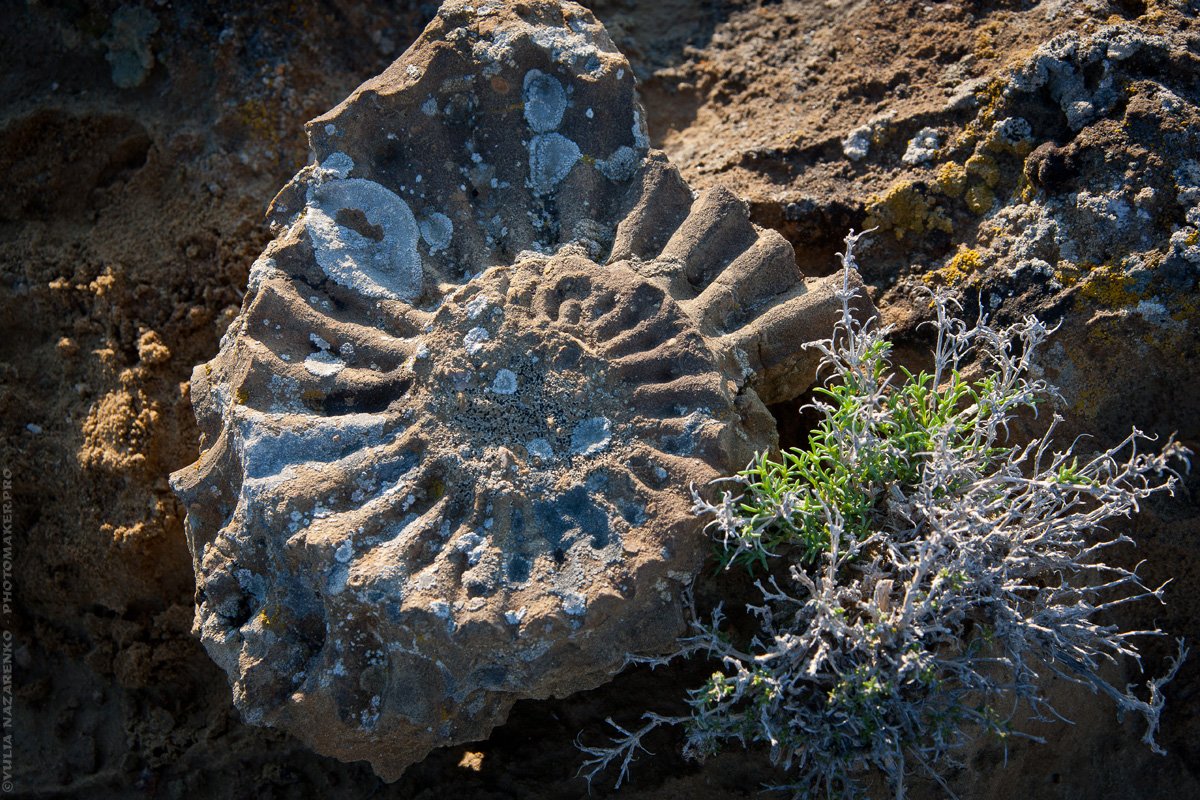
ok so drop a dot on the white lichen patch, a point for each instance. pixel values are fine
(474, 340)
(472, 544)
(621, 165)
(551, 157)
(590, 436)
(574, 49)
(269, 446)
(574, 604)
(477, 305)
(856, 146)
(545, 101)
(324, 364)
(540, 449)
(338, 576)
(364, 237)
(337, 166)
(922, 148)
(641, 135)
(505, 382)
(437, 230)
(1012, 131)
(264, 268)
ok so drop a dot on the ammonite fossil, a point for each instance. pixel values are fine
(448, 443)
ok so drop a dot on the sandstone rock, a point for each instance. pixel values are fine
(448, 443)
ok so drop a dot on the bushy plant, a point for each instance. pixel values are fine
(919, 574)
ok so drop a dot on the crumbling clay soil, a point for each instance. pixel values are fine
(142, 144)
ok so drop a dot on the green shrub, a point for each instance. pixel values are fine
(919, 573)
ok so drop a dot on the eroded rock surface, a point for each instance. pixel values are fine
(449, 440)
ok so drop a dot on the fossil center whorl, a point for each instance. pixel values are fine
(509, 378)
(556, 361)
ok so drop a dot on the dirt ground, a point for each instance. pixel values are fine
(141, 144)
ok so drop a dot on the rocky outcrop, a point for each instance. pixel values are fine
(449, 440)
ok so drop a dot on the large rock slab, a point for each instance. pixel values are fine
(448, 443)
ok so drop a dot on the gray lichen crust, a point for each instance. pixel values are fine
(448, 442)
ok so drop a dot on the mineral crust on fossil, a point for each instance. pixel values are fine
(448, 443)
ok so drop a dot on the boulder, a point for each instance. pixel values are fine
(448, 443)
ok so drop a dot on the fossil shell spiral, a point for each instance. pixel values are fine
(447, 444)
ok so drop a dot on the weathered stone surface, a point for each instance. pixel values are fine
(448, 442)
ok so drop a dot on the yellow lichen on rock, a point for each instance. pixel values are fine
(1109, 287)
(985, 43)
(989, 98)
(906, 208)
(961, 266)
(985, 168)
(1105, 286)
(951, 179)
(980, 199)
(257, 117)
